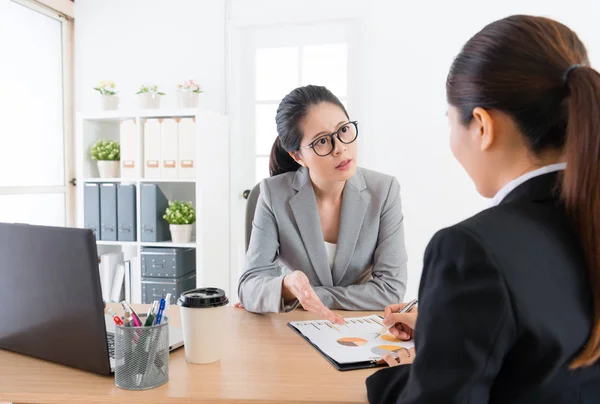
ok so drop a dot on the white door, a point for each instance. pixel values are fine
(36, 122)
(267, 63)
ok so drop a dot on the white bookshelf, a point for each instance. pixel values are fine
(208, 191)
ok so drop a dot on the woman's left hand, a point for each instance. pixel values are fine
(405, 357)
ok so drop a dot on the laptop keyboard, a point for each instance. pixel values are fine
(110, 337)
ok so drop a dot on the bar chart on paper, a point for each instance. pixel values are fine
(355, 341)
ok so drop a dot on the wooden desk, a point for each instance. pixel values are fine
(264, 361)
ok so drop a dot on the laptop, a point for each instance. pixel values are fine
(51, 299)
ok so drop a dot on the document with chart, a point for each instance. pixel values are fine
(353, 345)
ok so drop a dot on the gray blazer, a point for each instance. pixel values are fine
(369, 268)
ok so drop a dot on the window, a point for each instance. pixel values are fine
(35, 168)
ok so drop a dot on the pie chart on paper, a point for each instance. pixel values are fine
(383, 350)
(351, 341)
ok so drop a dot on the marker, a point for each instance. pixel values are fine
(134, 317)
(116, 318)
(161, 309)
(151, 316)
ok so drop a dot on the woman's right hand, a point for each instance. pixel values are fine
(297, 286)
(404, 323)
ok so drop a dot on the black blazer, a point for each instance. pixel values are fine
(504, 306)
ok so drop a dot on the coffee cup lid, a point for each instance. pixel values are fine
(203, 298)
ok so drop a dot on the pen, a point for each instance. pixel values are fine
(116, 318)
(127, 319)
(161, 309)
(134, 317)
(406, 309)
(151, 316)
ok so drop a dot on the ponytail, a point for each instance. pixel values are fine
(280, 160)
(581, 186)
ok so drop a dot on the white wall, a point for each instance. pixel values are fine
(410, 46)
(136, 41)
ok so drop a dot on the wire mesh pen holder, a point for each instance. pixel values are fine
(142, 356)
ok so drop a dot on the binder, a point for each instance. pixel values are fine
(152, 148)
(153, 207)
(108, 212)
(91, 208)
(126, 217)
(187, 148)
(128, 134)
(169, 148)
(127, 267)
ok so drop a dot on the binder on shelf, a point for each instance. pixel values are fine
(108, 212)
(153, 207)
(152, 148)
(136, 280)
(117, 289)
(126, 218)
(169, 148)
(187, 148)
(91, 208)
(127, 268)
(128, 134)
(108, 268)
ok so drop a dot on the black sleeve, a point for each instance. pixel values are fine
(465, 328)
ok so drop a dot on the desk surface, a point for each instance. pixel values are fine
(265, 361)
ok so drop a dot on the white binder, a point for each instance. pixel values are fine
(169, 148)
(152, 148)
(187, 148)
(128, 149)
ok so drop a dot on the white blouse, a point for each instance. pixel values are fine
(330, 252)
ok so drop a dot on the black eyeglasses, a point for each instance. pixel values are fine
(324, 145)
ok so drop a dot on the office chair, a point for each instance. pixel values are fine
(250, 209)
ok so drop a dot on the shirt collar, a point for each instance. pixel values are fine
(500, 195)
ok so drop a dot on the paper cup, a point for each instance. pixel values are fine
(202, 312)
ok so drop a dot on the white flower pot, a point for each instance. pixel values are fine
(149, 100)
(108, 169)
(181, 233)
(110, 102)
(188, 99)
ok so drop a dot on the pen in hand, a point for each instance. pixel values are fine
(405, 309)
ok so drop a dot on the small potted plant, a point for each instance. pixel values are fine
(149, 96)
(107, 154)
(181, 216)
(187, 94)
(110, 100)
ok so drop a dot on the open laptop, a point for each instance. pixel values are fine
(51, 300)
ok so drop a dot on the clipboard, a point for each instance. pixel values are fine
(340, 366)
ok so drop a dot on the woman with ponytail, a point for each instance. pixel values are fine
(327, 234)
(509, 301)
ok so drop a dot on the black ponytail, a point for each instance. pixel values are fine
(280, 161)
(290, 113)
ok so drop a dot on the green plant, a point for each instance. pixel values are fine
(106, 150)
(180, 213)
(149, 89)
(106, 88)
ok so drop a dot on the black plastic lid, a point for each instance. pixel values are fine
(203, 298)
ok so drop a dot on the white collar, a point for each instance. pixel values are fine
(500, 195)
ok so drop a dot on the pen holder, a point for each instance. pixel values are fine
(142, 356)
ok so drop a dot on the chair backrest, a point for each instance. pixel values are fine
(250, 209)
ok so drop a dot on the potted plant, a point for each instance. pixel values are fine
(181, 216)
(149, 96)
(107, 153)
(187, 94)
(110, 100)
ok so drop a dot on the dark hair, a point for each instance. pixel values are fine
(524, 67)
(291, 112)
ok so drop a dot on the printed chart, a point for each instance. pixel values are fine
(354, 341)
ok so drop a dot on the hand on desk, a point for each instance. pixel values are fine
(238, 305)
(404, 323)
(297, 286)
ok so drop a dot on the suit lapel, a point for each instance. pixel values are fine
(354, 207)
(306, 214)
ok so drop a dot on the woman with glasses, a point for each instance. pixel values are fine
(327, 234)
